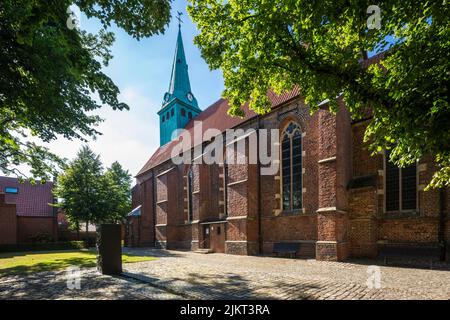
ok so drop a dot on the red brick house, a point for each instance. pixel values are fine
(329, 195)
(26, 213)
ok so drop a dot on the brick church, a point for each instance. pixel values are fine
(329, 196)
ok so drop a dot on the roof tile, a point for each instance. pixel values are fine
(215, 116)
(31, 200)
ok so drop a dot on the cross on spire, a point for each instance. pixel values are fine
(179, 14)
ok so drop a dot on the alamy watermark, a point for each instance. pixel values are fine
(74, 17)
(236, 146)
(374, 277)
(374, 20)
(73, 276)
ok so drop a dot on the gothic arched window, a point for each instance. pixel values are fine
(401, 187)
(291, 167)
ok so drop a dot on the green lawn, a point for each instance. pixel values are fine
(30, 262)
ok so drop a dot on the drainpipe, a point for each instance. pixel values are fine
(258, 164)
(441, 228)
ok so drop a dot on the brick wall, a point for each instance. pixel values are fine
(363, 224)
(8, 222)
(146, 222)
(371, 225)
(337, 219)
(30, 227)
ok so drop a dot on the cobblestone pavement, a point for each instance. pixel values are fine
(180, 275)
(220, 276)
(53, 286)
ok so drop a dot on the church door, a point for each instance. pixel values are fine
(206, 237)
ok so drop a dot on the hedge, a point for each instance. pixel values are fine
(67, 245)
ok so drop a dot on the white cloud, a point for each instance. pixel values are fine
(129, 137)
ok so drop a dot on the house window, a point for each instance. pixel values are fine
(401, 187)
(183, 112)
(190, 188)
(190, 115)
(291, 167)
(172, 112)
(167, 115)
(163, 118)
(12, 190)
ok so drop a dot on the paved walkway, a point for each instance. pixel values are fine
(220, 276)
(179, 275)
(53, 286)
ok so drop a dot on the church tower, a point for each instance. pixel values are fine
(179, 104)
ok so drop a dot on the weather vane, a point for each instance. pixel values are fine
(179, 18)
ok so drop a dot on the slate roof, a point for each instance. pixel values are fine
(31, 200)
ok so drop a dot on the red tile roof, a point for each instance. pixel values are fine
(215, 116)
(31, 200)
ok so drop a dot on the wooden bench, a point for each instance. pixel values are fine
(427, 252)
(289, 248)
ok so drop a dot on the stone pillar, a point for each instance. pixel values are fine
(332, 219)
(109, 256)
(204, 200)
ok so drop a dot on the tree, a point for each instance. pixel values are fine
(81, 189)
(88, 194)
(49, 73)
(321, 45)
(119, 203)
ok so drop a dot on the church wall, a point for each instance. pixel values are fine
(370, 226)
(279, 226)
(356, 226)
(146, 223)
(242, 203)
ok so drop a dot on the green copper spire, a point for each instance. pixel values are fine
(180, 86)
(179, 105)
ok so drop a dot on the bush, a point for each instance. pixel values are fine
(42, 246)
(90, 242)
(42, 237)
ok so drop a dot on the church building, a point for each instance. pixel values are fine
(330, 199)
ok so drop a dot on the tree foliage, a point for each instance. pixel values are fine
(319, 45)
(119, 181)
(50, 73)
(88, 194)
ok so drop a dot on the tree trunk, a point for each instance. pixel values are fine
(87, 234)
(78, 230)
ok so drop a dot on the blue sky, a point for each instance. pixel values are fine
(141, 70)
